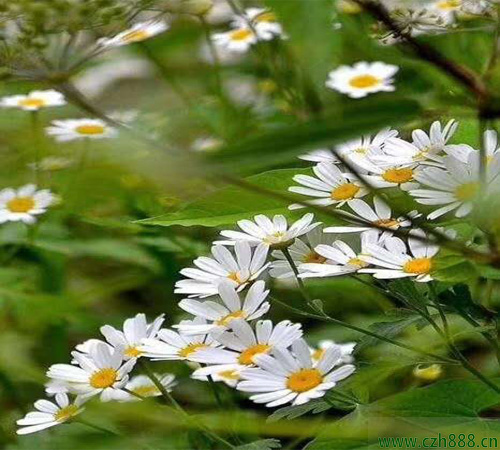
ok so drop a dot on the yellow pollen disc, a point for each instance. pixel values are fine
(387, 223)
(360, 150)
(448, 5)
(267, 17)
(466, 191)
(146, 391)
(135, 36)
(225, 321)
(318, 354)
(66, 413)
(132, 352)
(304, 380)
(398, 175)
(90, 130)
(21, 204)
(364, 81)
(418, 266)
(104, 378)
(229, 374)
(272, 238)
(345, 191)
(247, 356)
(428, 373)
(357, 262)
(191, 348)
(32, 102)
(314, 258)
(235, 277)
(241, 35)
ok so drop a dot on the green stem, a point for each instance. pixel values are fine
(35, 135)
(96, 427)
(295, 270)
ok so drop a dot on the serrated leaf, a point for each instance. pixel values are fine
(454, 269)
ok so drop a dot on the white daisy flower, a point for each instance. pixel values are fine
(287, 377)
(134, 331)
(456, 186)
(240, 269)
(171, 345)
(437, 139)
(221, 314)
(238, 40)
(138, 33)
(24, 204)
(340, 258)
(346, 351)
(100, 372)
(230, 376)
(446, 9)
(263, 21)
(275, 233)
(50, 414)
(380, 215)
(301, 251)
(362, 79)
(33, 101)
(321, 155)
(142, 386)
(74, 129)
(243, 345)
(402, 176)
(54, 387)
(394, 260)
(330, 187)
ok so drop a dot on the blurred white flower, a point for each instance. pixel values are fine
(24, 204)
(346, 350)
(142, 386)
(138, 33)
(238, 40)
(76, 129)
(34, 101)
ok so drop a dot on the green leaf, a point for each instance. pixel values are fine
(262, 444)
(228, 205)
(407, 289)
(292, 412)
(283, 144)
(454, 269)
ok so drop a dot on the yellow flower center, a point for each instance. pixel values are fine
(247, 356)
(448, 5)
(229, 374)
(428, 373)
(398, 175)
(466, 191)
(146, 391)
(90, 130)
(135, 36)
(21, 204)
(357, 262)
(66, 413)
(318, 354)
(364, 81)
(418, 265)
(32, 102)
(241, 35)
(304, 380)
(226, 320)
(345, 191)
(104, 378)
(267, 17)
(387, 223)
(191, 348)
(132, 352)
(235, 277)
(314, 258)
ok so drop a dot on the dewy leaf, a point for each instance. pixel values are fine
(230, 204)
(283, 144)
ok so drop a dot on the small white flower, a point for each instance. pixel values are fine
(394, 260)
(24, 204)
(340, 258)
(390, 176)
(381, 216)
(362, 79)
(287, 377)
(243, 345)
(34, 101)
(446, 9)
(221, 314)
(456, 186)
(301, 251)
(171, 345)
(346, 350)
(321, 155)
(134, 331)
(142, 386)
(138, 33)
(273, 233)
(330, 187)
(238, 40)
(263, 21)
(50, 414)
(100, 372)
(241, 270)
(74, 129)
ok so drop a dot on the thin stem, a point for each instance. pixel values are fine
(96, 427)
(295, 270)
(440, 309)
(35, 135)
(134, 394)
